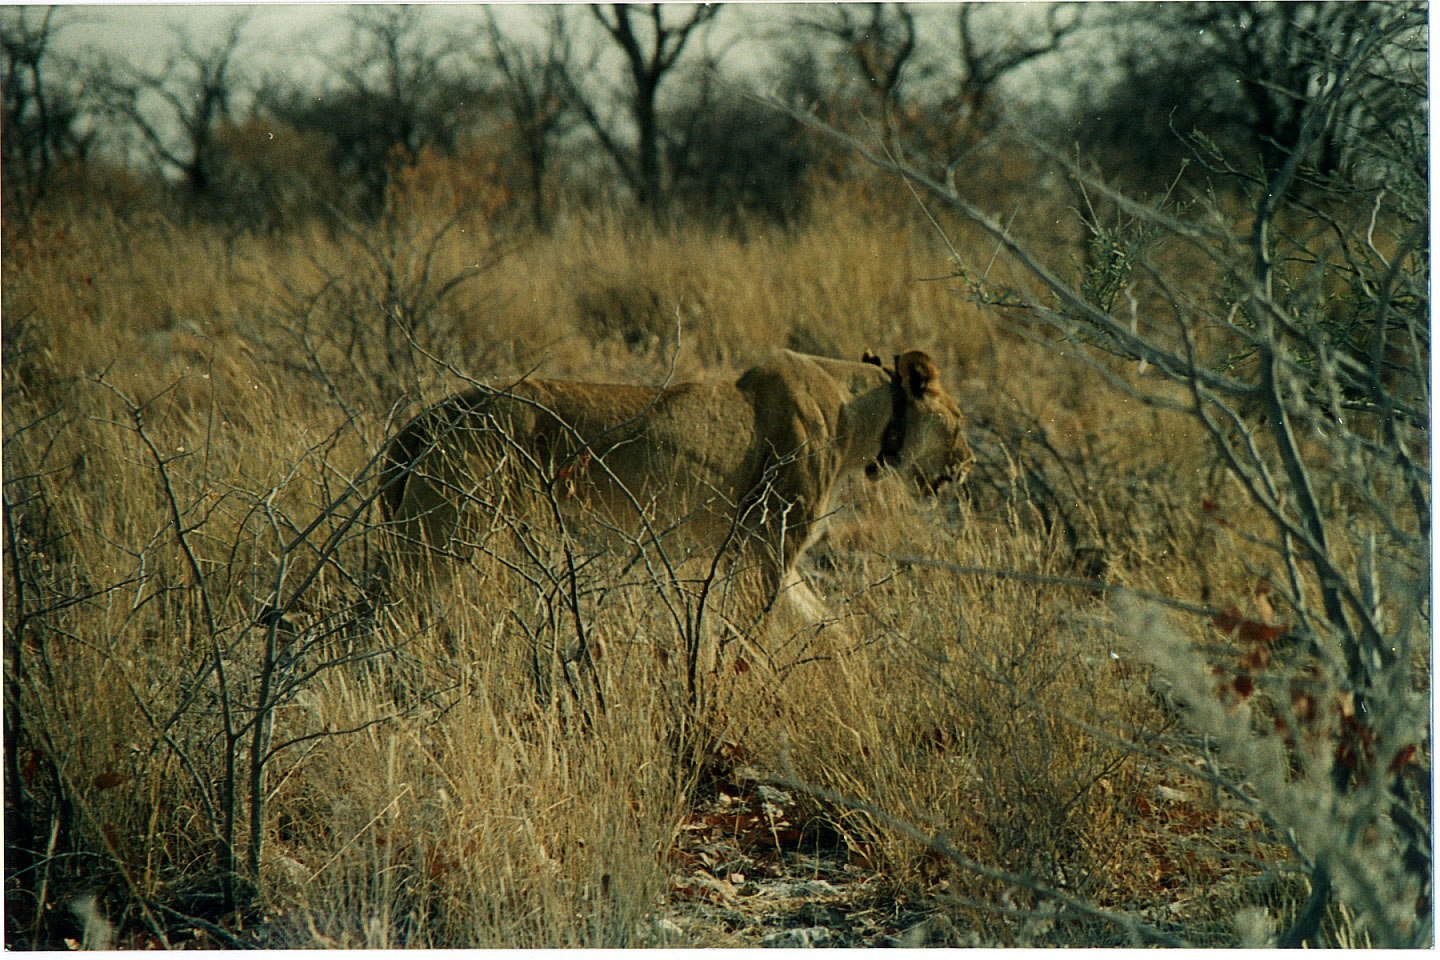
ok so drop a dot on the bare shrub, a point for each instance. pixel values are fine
(982, 761)
(1307, 408)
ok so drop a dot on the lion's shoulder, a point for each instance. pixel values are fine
(810, 385)
(785, 374)
(801, 400)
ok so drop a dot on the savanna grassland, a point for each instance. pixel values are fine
(228, 721)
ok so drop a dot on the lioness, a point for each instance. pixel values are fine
(747, 463)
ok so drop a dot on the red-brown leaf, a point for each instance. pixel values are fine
(1212, 510)
(109, 779)
(1401, 758)
(1233, 623)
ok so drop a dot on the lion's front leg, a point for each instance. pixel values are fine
(768, 532)
(771, 548)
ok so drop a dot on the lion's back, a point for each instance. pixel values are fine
(696, 436)
(672, 448)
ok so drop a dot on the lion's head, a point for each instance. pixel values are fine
(925, 438)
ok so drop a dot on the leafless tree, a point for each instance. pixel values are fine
(930, 92)
(876, 39)
(1244, 74)
(197, 87)
(650, 40)
(534, 95)
(397, 89)
(39, 120)
(986, 56)
(398, 67)
(1318, 408)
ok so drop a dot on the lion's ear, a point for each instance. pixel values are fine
(868, 357)
(917, 371)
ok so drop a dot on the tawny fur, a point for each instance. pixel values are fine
(751, 461)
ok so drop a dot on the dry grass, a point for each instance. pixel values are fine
(437, 787)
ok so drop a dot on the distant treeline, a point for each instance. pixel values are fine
(641, 106)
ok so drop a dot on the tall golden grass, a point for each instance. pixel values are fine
(190, 420)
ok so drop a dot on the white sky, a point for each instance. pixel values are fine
(284, 38)
(143, 33)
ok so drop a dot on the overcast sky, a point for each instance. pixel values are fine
(142, 33)
(285, 38)
(286, 32)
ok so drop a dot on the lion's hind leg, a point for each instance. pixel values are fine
(451, 503)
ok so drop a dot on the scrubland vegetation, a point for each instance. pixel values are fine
(1157, 673)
